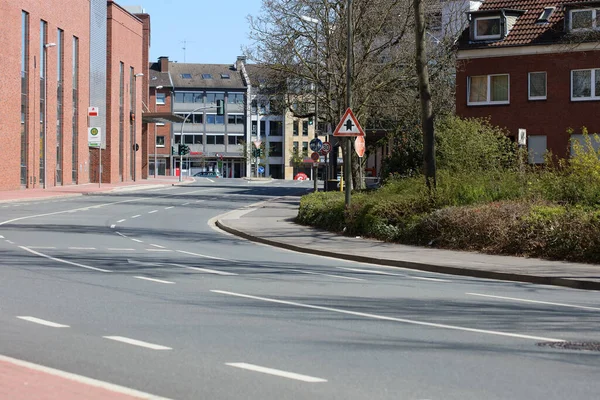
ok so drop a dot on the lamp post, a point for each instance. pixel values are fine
(134, 148)
(155, 148)
(316, 93)
(348, 155)
(46, 46)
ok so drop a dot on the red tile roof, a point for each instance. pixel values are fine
(526, 30)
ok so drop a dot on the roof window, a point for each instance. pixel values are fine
(487, 28)
(206, 76)
(186, 76)
(224, 76)
(545, 15)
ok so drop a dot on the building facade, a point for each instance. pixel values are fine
(532, 66)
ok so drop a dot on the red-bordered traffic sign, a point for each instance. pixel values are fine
(348, 126)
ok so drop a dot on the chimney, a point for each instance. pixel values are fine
(240, 60)
(164, 63)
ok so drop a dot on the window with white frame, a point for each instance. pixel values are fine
(536, 148)
(487, 28)
(160, 98)
(160, 141)
(537, 86)
(584, 19)
(585, 84)
(488, 89)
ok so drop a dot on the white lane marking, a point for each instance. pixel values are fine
(384, 318)
(42, 247)
(135, 216)
(120, 234)
(117, 249)
(331, 276)
(429, 279)
(199, 201)
(10, 241)
(121, 220)
(152, 212)
(210, 180)
(82, 379)
(153, 280)
(534, 301)
(137, 343)
(81, 248)
(42, 322)
(207, 270)
(137, 240)
(112, 226)
(202, 255)
(62, 261)
(168, 208)
(156, 245)
(370, 271)
(163, 250)
(1, 237)
(185, 204)
(277, 372)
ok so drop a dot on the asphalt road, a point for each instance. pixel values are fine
(138, 289)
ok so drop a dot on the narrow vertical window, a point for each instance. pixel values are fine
(43, 53)
(59, 104)
(24, 94)
(75, 142)
(121, 120)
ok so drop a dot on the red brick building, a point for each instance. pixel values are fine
(55, 65)
(45, 65)
(532, 65)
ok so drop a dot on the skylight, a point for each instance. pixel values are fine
(206, 76)
(224, 76)
(186, 76)
(545, 15)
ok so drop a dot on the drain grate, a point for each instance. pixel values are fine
(587, 346)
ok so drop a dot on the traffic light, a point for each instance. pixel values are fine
(180, 149)
(220, 107)
(183, 149)
(310, 120)
(172, 150)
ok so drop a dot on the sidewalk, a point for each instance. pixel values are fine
(79, 190)
(271, 223)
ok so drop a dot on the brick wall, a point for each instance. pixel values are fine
(551, 117)
(73, 23)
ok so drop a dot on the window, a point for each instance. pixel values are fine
(160, 98)
(275, 149)
(275, 128)
(545, 15)
(193, 118)
(213, 97)
(188, 139)
(215, 139)
(305, 149)
(304, 128)
(235, 139)
(235, 119)
(488, 89)
(295, 127)
(263, 129)
(487, 28)
(584, 19)
(537, 86)
(536, 148)
(224, 76)
(160, 141)
(295, 147)
(188, 97)
(235, 98)
(215, 119)
(186, 76)
(585, 84)
(177, 139)
(254, 128)
(206, 76)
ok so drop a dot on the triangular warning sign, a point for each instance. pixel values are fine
(348, 126)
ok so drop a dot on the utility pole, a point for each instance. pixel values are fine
(348, 155)
(185, 42)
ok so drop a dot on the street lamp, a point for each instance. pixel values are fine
(316, 93)
(133, 146)
(155, 149)
(46, 47)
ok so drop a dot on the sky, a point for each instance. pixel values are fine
(212, 31)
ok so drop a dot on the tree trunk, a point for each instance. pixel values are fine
(425, 96)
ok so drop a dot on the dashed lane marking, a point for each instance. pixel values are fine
(43, 322)
(202, 255)
(112, 226)
(534, 301)
(152, 212)
(159, 250)
(168, 208)
(207, 270)
(154, 280)
(331, 276)
(137, 240)
(156, 245)
(82, 248)
(135, 216)
(42, 247)
(277, 372)
(121, 220)
(137, 343)
(116, 249)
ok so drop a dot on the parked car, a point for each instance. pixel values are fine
(207, 174)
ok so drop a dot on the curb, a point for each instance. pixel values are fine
(541, 280)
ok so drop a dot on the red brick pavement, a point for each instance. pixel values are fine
(20, 380)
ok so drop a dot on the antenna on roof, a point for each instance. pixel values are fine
(185, 42)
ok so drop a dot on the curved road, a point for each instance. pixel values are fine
(140, 290)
